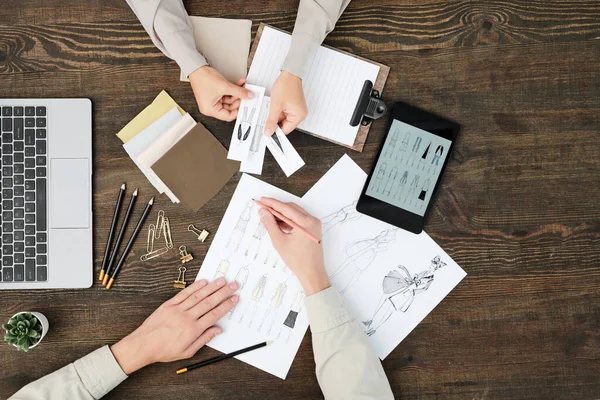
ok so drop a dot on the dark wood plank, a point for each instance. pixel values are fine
(517, 210)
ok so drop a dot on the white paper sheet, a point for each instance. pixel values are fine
(361, 251)
(142, 140)
(245, 125)
(285, 154)
(269, 293)
(332, 84)
(160, 146)
(253, 163)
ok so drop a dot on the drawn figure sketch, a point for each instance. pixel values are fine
(392, 141)
(245, 124)
(413, 186)
(436, 156)
(380, 175)
(403, 145)
(290, 320)
(424, 190)
(241, 278)
(257, 294)
(360, 256)
(390, 181)
(274, 307)
(399, 291)
(401, 184)
(256, 241)
(260, 128)
(239, 230)
(222, 269)
(346, 214)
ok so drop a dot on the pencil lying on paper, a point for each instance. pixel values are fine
(222, 357)
(136, 231)
(288, 221)
(113, 256)
(111, 233)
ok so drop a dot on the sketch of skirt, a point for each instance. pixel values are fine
(290, 320)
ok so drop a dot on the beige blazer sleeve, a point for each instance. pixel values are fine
(88, 378)
(347, 367)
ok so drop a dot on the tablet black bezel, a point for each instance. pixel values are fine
(389, 213)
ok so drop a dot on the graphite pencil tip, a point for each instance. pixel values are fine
(135, 192)
(123, 187)
(151, 201)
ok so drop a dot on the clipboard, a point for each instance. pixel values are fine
(376, 90)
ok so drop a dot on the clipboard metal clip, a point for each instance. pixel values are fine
(369, 107)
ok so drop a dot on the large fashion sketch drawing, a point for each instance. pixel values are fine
(360, 256)
(235, 239)
(399, 291)
(343, 215)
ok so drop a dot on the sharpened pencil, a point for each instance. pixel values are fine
(111, 233)
(136, 231)
(222, 357)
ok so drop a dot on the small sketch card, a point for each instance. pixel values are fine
(245, 125)
(271, 305)
(253, 163)
(285, 154)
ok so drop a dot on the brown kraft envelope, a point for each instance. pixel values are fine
(196, 167)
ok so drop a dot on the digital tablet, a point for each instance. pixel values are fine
(408, 168)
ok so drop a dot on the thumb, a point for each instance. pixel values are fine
(272, 120)
(238, 91)
(271, 225)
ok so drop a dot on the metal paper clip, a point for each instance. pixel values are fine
(160, 221)
(167, 233)
(180, 281)
(202, 234)
(150, 241)
(154, 254)
(185, 256)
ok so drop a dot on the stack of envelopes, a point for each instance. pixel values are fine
(179, 156)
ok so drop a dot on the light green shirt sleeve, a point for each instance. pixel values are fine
(88, 378)
(346, 365)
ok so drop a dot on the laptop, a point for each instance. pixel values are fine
(46, 184)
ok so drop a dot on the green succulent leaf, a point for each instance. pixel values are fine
(6, 327)
(33, 334)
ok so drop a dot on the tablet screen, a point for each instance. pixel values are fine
(408, 167)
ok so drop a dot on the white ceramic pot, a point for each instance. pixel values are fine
(43, 320)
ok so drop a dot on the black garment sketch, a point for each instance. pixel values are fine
(424, 156)
(438, 153)
(424, 190)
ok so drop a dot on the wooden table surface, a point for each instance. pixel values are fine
(518, 208)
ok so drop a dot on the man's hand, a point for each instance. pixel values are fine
(303, 256)
(288, 107)
(215, 95)
(179, 327)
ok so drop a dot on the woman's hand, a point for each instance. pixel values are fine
(302, 255)
(179, 327)
(288, 106)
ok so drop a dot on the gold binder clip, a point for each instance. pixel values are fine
(201, 234)
(185, 256)
(180, 281)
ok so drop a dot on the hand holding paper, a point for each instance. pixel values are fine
(288, 107)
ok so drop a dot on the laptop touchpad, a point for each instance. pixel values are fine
(69, 193)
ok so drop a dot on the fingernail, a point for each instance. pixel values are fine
(221, 281)
(202, 283)
(234, 299)
(233, 285)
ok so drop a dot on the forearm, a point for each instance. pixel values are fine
(91, 377)
(315, 19)
(346, 366)
(166, 21)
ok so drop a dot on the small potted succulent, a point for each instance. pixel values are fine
(25, 330)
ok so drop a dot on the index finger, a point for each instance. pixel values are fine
(286, 209)
(187, 292)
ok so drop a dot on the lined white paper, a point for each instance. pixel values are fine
(332, 84)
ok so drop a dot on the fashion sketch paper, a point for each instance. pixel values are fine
(245, 125)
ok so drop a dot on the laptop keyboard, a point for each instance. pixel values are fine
(24, 233)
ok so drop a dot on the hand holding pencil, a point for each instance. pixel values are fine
(297, 241)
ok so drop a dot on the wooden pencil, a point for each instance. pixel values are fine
(222, 357)
(111, 232)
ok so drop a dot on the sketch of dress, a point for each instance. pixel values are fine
(260, 128)
(391, 144)
(415, 149)
(360, 256)
(390, 181)
(403, 146)
(222, 269)
(256, 240)
(239, 230)
(245, 124)
(257, 294)
(241, 278)
(274, 307)
(345, 214)
(423, 193)
(436, 156)
(400, 186)
(399, 291)
(290, 321)
(413, 187)
(379, 177)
